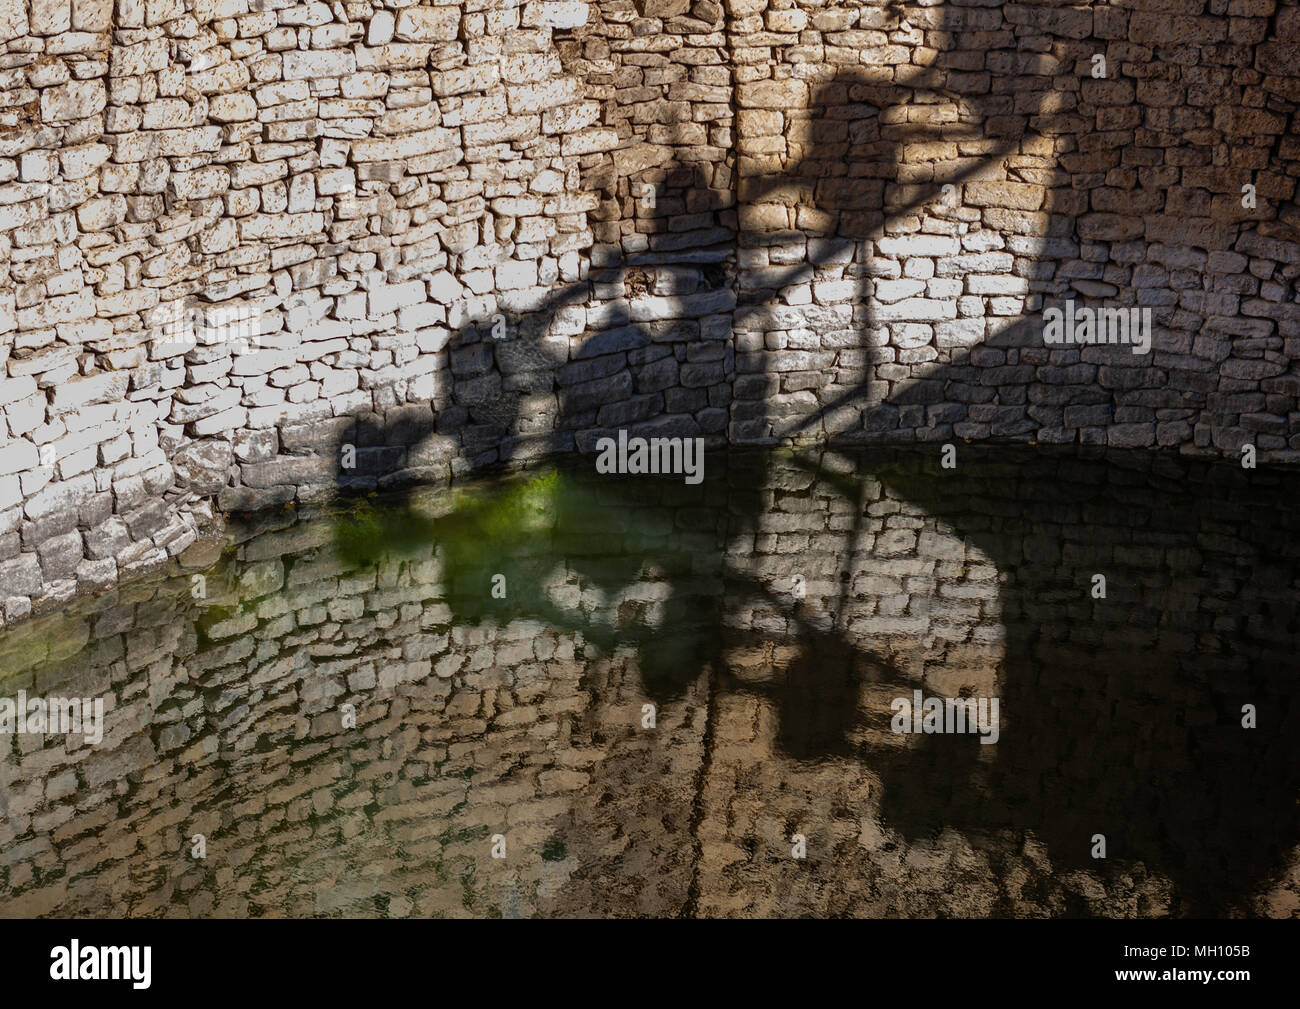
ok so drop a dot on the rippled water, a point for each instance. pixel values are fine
(672, 684)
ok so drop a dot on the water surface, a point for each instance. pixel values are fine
(770, 616)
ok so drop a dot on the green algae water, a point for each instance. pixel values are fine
(564, 693)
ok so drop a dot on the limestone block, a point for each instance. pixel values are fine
(72, 101)
(428, 24)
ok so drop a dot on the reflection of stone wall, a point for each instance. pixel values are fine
(225, 716)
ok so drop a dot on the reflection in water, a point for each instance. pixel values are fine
(499, 647)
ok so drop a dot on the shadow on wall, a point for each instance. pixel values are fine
(1063, 186)
(1134, 734)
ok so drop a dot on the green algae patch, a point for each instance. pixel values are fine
(471, 524)
(21, 651)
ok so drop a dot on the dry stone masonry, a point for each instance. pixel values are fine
(241, 238)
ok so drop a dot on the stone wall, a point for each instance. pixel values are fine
(1120, 716)
(916, 313)
(239, 237)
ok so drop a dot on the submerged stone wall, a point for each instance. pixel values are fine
(238, 237)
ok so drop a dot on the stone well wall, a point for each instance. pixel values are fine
(240, 236)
